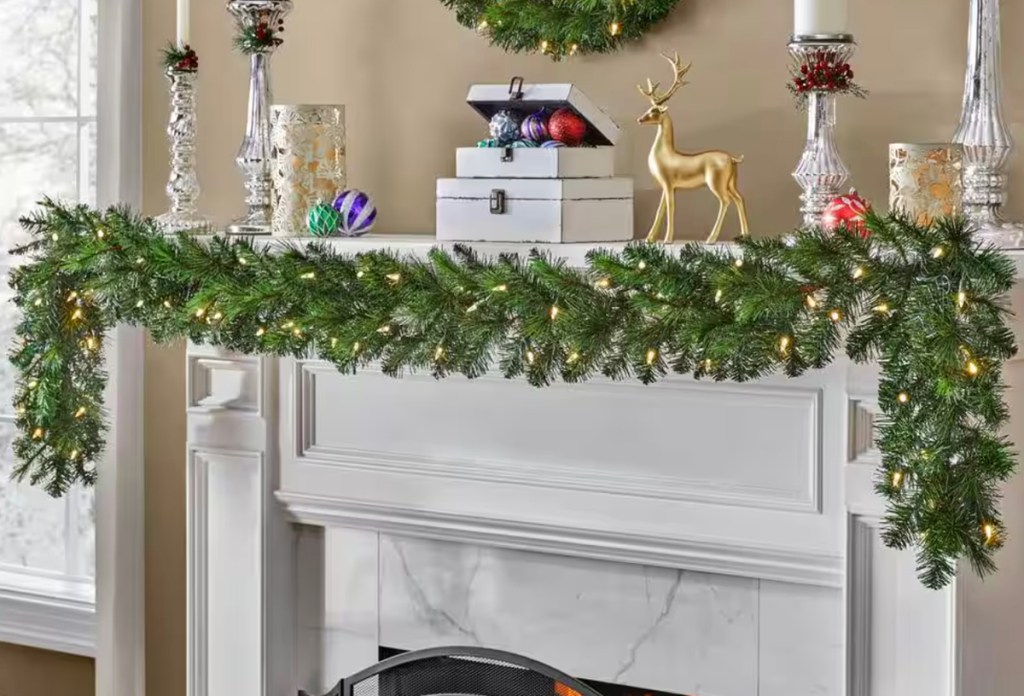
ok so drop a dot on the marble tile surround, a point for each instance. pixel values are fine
(672, 630)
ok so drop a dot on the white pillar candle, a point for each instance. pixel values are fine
(182, 22)
(819, 17)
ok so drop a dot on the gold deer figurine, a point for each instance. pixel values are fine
(676, 170)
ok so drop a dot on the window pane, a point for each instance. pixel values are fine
(39, 58)
(34, 158)
(85, 529)
(31, 522)
(90, 33)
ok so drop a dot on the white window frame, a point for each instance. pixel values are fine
(105, 619)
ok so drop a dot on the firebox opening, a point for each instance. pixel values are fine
(603, 688)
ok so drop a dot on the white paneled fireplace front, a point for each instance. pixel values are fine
(691, 538)
(712, 540)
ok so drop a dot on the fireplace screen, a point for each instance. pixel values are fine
(464, 671)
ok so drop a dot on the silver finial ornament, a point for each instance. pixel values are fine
(183, 183)
(983, 133)
(821, 172)
(254, 155)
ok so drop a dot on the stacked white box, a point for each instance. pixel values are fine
(566, 194)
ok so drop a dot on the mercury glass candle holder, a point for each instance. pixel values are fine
(183, 183)
(821, 172)
(254, 155)
(983, 133)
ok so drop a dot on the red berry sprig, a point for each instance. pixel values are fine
(259, 37)
(822, 72)
(182, 59)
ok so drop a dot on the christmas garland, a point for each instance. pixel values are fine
(561, 28)
(926, 302)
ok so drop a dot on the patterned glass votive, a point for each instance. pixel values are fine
(925, 180)
(308, 162)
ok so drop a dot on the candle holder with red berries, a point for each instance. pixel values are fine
(260, 24)
(181, 65)
(821, 70)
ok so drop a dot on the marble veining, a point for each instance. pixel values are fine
(671, 630)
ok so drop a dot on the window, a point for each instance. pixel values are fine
(47, 147)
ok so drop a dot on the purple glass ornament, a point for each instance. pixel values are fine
(553, 143)
(535, 127)
(358, 213)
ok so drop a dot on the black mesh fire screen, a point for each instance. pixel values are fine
(466, 671)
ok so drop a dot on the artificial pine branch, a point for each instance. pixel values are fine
(560, 29)
(926, 302)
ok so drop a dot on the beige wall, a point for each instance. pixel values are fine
(27, 671)
(402, 68)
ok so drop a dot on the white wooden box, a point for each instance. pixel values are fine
(535, 163)
(535, 210)
(551, 195)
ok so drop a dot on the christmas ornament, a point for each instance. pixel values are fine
(505, 126)
(525, 143)
(490, 142)
(322, 220)
(535, 127)
(553, 143)
(675, 170)
(357, 212)
(847, 210)
(566, 126)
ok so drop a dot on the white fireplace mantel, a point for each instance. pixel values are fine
(770, 482)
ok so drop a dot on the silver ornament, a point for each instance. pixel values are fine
(505, 126)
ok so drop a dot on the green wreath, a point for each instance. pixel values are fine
(926, 302)
(560, 28)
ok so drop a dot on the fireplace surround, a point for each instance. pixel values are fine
(691, 538)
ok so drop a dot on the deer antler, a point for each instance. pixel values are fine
(652, 87)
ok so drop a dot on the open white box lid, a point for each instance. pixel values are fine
(526, 98)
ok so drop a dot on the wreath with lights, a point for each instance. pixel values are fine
(928, 303)
(560, 28)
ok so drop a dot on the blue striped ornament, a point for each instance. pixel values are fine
(535, 127)
(553, 143)
(358, 213)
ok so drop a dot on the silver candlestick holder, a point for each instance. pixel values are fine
(183, 183)
(254, 155)
(983, 133)
(820, 172)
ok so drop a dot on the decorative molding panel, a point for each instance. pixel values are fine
(862, 432)
(861, 539)
(900, 635)
(753, 562)
(223, 384)
(226, 571)
(679, 440)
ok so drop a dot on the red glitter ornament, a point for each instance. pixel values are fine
(567, 127)
(848, 210)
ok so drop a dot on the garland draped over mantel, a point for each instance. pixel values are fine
(926, 302)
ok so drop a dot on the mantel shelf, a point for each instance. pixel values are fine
(575, 253)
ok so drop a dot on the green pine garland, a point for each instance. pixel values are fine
(560, 27)
(928, 303)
